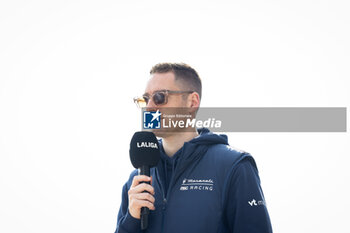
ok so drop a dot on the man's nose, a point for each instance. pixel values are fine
(151, 106)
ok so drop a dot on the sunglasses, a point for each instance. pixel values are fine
(158, 97)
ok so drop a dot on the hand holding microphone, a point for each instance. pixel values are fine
(144, 154)
(140, 195)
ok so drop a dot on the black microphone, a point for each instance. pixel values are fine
(144, 154)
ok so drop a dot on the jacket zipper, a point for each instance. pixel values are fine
(162, 190)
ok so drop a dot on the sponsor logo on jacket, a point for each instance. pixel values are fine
(197, 185)
(256, 203)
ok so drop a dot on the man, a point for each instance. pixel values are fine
(201, 184)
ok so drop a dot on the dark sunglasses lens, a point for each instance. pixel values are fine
(159, 98)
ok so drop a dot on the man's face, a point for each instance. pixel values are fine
(175, 103)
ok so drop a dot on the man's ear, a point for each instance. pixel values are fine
(193, 101)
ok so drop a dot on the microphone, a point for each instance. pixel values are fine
(144, 154)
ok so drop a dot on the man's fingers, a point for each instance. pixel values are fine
(141, 188)
(140, 178)
(138, 204)
(143, 196)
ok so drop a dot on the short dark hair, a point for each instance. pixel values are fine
(183, 73)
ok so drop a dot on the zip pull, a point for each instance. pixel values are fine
(164, 203)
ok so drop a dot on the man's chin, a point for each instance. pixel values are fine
(162, 133)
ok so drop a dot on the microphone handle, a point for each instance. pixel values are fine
(144, 170)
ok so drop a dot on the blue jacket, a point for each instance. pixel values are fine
(212, 188)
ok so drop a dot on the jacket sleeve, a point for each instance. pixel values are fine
(246, 210)
(127, 223)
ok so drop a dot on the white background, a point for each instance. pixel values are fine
(69, 70)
